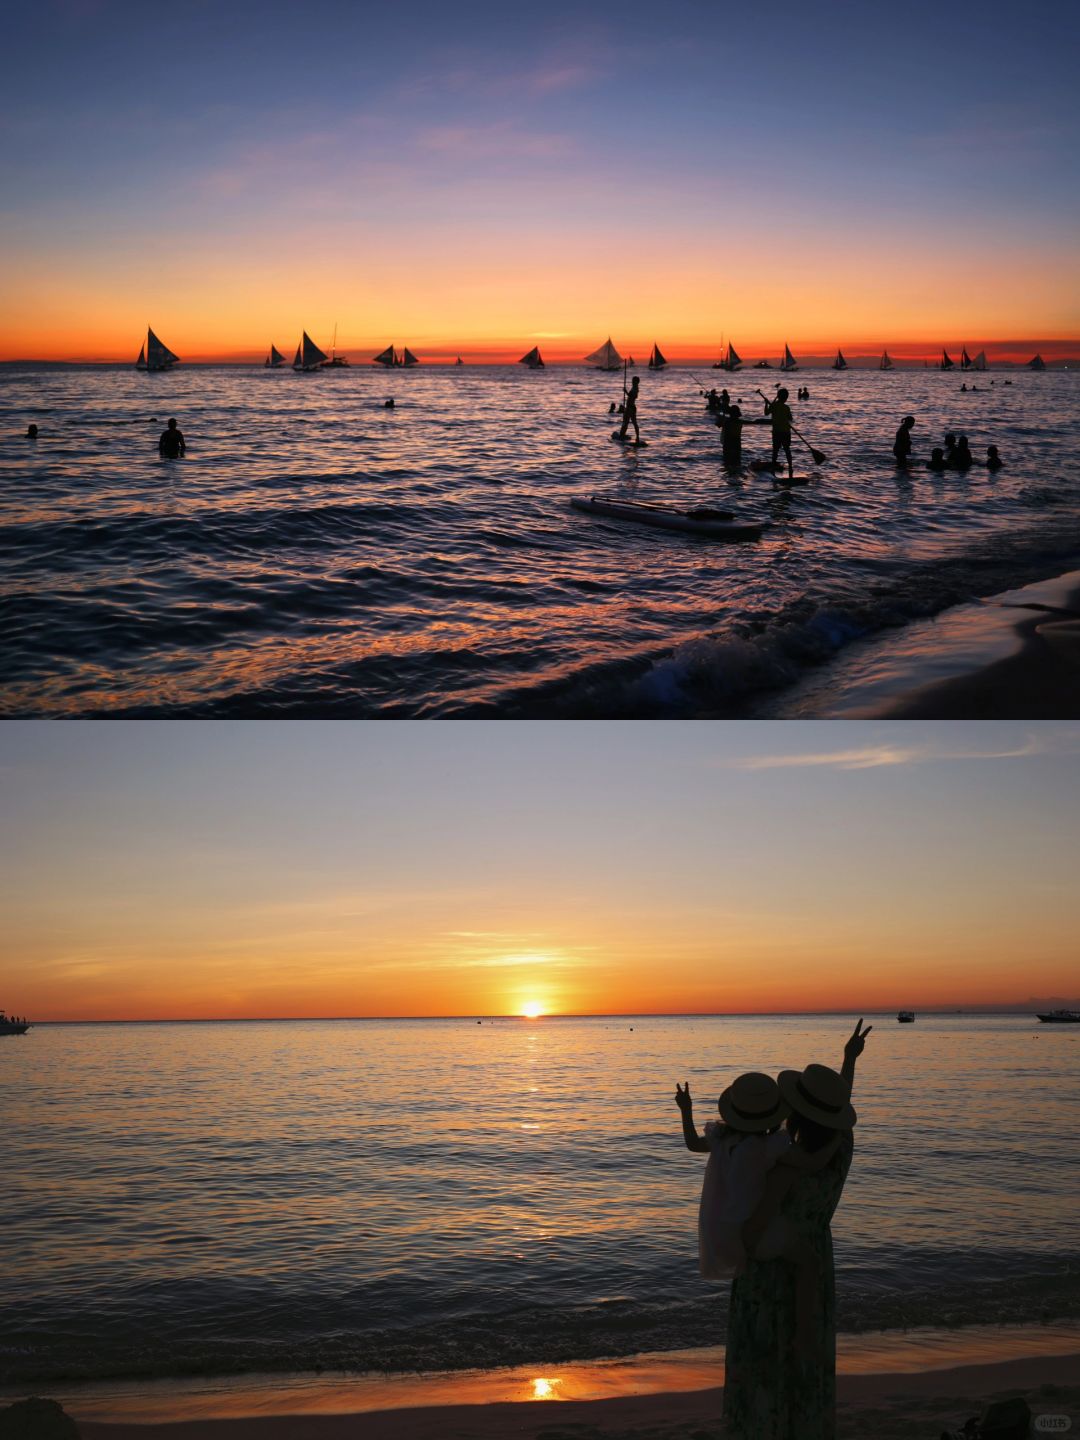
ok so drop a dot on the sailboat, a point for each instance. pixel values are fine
(979, 363)
(154, 355)
(534, 360)
(308, 356)
(459, 361)
(839, 363)
(392, 360)
(789, 362)
(731, 361)
(965, 359)
(885, 363)
(1038, 363)
(946, 363)
(656, 359)
(274, 359)
(336, 361)
(606, 358)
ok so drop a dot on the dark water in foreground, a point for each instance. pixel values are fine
(318, 555)
(210, 1198)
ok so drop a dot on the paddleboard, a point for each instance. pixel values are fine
(661, 517)
(634, 444)
(788, 480)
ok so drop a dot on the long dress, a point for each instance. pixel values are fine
(768, 1395)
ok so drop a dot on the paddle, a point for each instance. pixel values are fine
(819, 455)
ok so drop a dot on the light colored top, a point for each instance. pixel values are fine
(734, 1184)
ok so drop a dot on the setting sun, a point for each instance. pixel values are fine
(532, 1009)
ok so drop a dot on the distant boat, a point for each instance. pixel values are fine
(1038, 363)
(606, 358)
(730, 361)
(885, 363)
(762, 365)
(839, 363)
(905, 1017)
(965, 359)
(979, 363)
(154, 355)
(10, 1026)
(391, 360)
(789, 362)
(459, 361)
(946, 363)
(308, 356)
(656, 359)
(534, 360)
(336, 361)
(631, 363)
(1061, 1017)
(274, 359)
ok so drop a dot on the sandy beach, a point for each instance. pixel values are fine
(899, 1406)
(895, 1385)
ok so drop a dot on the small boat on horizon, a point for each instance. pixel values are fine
(533, 360)
(606, 357)
(979, 363)
(839, 363)
(657, 360)
(1037, 363)
(309, 357)
(155, 355)
(905, 1017)
(731, 361)
(459, 361)
(885, 363)
(965, 358)
(788, 362)
(10, 1025)
(946, 362)
(274, 360)
(1060, 1017)
(391, 360)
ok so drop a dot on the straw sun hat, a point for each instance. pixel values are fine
(753, 1103)
(819, 1094)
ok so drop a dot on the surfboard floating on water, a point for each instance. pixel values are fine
(625, 440)
(708, 523)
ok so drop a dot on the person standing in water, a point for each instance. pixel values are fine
(171, 445)
(779, 412)
(630, 411)
(902, 444)
(731, 428)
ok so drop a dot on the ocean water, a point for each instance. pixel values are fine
(388, 1195)
(318, 555)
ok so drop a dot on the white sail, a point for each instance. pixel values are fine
(789, 362)
(385, 357)
(158, 354)
(606, 358)
(533, 359)
(886, 361)
(657, 360)
(979, 363)
(408, 358)
(839, 363)
(140, 363)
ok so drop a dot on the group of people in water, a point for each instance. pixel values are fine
(955, 454)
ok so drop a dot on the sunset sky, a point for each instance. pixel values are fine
(481, 177)
(211, 869)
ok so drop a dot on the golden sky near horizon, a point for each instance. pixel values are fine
(199, 872)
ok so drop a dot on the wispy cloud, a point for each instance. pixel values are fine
(500, 140)
(880, 755)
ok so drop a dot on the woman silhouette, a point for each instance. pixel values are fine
(771, 1393)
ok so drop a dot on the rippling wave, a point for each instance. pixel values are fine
(318, 555)
(381, 1195)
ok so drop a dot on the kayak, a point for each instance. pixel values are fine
(708, 523)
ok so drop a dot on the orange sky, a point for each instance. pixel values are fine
(275, 870)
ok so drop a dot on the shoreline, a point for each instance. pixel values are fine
(890, 1372)
(1014, 655)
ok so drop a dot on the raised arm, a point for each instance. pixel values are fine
(852, 1050)
(694, 1141)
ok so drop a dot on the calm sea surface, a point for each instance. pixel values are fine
(316, 554)
(441, 1194)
